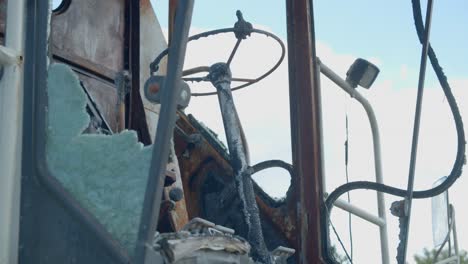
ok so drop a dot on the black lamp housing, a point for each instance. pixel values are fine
(362, 73)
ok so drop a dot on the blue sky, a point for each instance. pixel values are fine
(383, 32)
(382, 29)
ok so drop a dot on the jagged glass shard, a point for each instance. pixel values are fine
(107, 174)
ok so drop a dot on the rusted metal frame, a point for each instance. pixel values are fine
(136, 118)
(220, 76)
(305, 129)
(124, 105)
(124, 97)
(36, 88)
(164, 132)
(171, 17)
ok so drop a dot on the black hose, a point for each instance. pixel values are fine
(459, 160)
(271, 164)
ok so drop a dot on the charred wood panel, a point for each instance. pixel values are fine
(91, 33)
(105, 95)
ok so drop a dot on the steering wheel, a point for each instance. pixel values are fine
(242, 29)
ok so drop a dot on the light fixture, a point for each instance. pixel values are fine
(153, 91)
(362, 73)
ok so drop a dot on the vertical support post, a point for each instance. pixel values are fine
(403, 246)
(305, 128)
(171, 17)
(135, 110)
(164, 131)
(11, 120)
(220, 76)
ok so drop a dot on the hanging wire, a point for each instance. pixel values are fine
(347, 181)
(347, 174)
(339, 239)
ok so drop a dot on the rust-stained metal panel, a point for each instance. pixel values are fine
(91, 33)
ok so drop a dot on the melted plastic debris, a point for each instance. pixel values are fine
(106, 174)
(198, 240)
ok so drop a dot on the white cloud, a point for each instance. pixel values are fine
(404, 72)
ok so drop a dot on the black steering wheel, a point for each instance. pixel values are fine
(241, 29)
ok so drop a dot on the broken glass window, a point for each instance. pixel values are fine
(106, 174)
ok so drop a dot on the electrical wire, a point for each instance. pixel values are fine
(459, 160)
(350, 226)
(341, 242)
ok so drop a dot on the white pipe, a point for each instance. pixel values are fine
(377, 151)
(359, 212)
(8, 56)
(11, 120)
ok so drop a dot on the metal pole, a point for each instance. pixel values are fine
(9, 56)
(305, 110)
(359, 212)
(455, 237)
(220, 76)
(165, 128)
(377, 153)
(11, 120)
(414, 145)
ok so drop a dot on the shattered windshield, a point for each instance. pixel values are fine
(107, 174)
